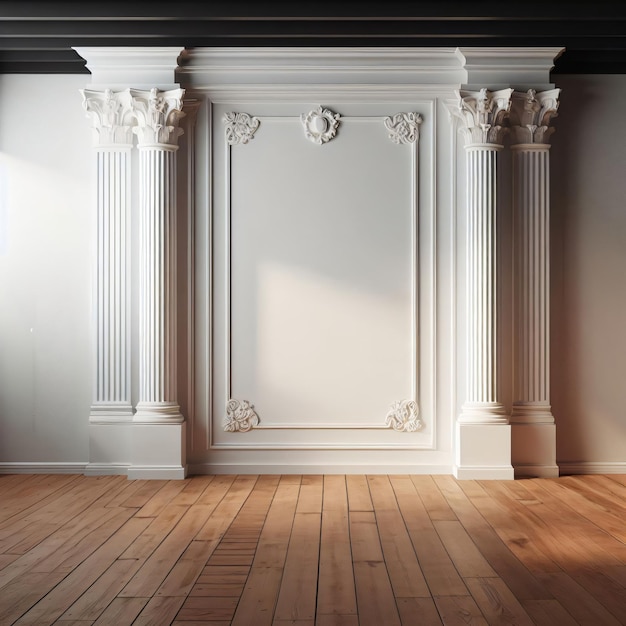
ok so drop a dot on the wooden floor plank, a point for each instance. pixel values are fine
(523, 536)
(159, 611)
(258, 600)
(121, 611)
(91, 604)
(497, 602)
(311, 492)
(548, 613)
(375, 601)
(418, 612)
(274, 538)
(336, 591)
(460, 611)
(518, 578)
(298, 591)
(466, 557)
(439, 571)
(585, 609)
(435, 504)
(359, 498)
(148, 579)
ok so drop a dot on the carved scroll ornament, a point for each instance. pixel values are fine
(404, 416)
(240, 416)
(240, 127)
(403, 127)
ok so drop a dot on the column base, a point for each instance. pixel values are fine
(158, 413)
(483, 451)
(110, 413)
(533, 449)
(158, 451)
(483, 413)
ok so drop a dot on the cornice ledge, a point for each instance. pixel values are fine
(518, 67)
(319, 65)
(136, 67)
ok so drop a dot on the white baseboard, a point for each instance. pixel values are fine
(589, 467)
(490, 472)
(42, 468)
(536, 471)
(292, 468)
(156, 472)
(106, 469)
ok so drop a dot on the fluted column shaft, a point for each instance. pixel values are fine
(110, 113)
(531, 115)
(482, 114)
(157, 129)
(482, 323)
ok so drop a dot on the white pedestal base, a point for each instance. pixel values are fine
(533, 450)
(109, 448)
(158, 452)
(483, 452)
(137, 450)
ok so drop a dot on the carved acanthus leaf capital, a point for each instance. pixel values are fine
(158, 114)
(403, 127)
(111, 116)
(404, 416)
(240, 416)
(483, 114)
(531, 116)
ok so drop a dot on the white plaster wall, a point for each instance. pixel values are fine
(589, 273)
(45, 264)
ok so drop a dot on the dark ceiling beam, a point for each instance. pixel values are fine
(39, 36)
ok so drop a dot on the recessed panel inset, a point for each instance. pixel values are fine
(318, 288)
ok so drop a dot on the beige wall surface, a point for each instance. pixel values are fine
(45, 265)
(589, 271)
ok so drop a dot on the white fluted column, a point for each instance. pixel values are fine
(534, 432)
(110, 113)
(483, 446)
(158, 114)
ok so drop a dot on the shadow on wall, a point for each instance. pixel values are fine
(588, 256)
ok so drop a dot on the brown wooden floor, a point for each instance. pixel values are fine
(312, 550)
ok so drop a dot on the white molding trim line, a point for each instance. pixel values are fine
(42, 468)
(157, 472)
(106, 469)
(314, 468)
(592, 467)
(253, 122)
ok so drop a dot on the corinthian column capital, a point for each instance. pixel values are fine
(111, 115)
(158, 114)
(531, 116)
(483, 114)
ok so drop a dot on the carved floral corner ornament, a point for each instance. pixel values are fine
(483, 114)
(531, 115)
(403, 127)
(240, 416)
(112, 115)
(158, 114)
(240, 127)
(404, 416)
(320, 125)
